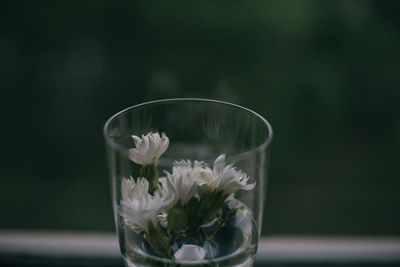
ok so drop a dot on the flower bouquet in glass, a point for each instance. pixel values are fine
(177, 200)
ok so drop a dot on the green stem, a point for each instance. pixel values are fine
(151, 174)
(156, 238)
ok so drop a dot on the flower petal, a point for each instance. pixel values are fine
(219, 164)
(136, 140)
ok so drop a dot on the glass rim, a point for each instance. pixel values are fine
(123, 150)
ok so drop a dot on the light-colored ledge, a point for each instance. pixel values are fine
(271, 249)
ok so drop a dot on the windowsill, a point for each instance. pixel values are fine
(83, 249)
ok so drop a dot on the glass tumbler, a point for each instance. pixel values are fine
(188, 180)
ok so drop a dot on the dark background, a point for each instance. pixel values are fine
(325, 73)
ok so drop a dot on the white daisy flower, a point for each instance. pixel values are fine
(148, 148)
(224, 178)
(186, 178)
(182, 181)
(138, 207)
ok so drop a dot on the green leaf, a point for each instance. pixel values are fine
(177, 220)
(157, 240)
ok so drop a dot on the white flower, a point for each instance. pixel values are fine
(183, 181)
(225, 178)
(187, 178)
(190, 253)
(148, 148)
(138, 207)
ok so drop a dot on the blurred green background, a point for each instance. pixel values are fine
(325, 73)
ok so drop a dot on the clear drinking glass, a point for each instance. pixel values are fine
(214, 217)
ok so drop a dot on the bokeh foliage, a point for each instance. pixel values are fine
(325, 73)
